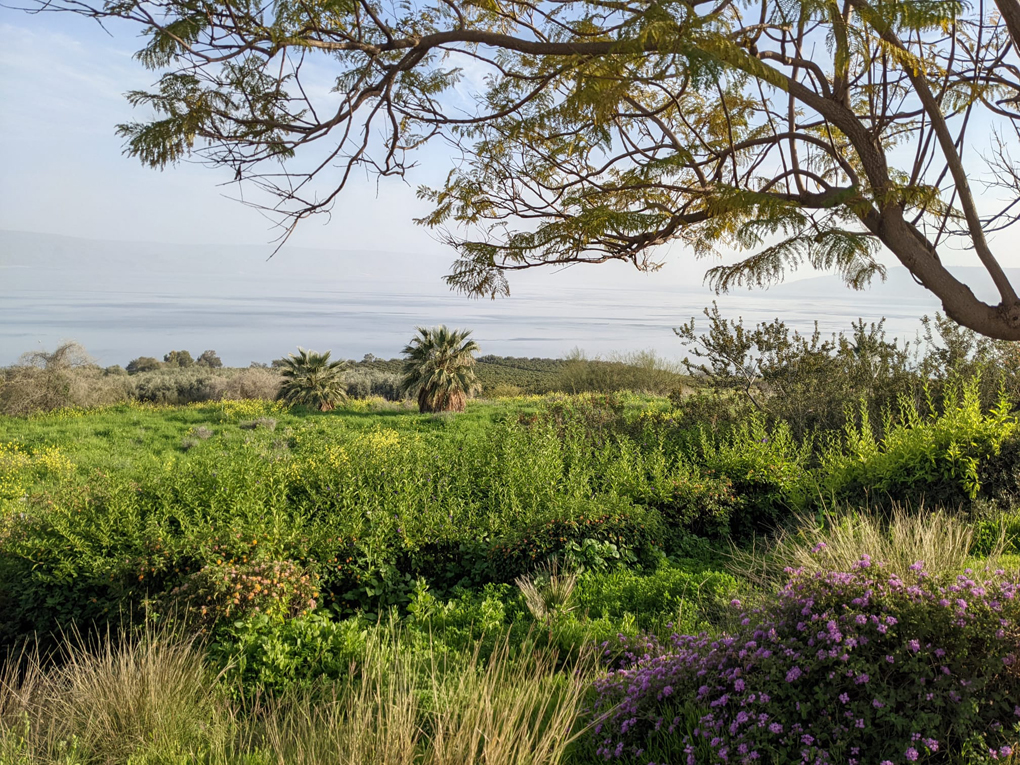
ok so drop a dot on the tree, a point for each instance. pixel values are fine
(209, 359)
(311, 379)
(180, 359)
(438, 369)
(143, 364)
(792, 131)
(43, 381)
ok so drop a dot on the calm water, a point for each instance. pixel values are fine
(121, 301)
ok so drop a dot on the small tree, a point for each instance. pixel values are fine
(311, 379)
(209, 359)
(438, 369)
(43, 381)
(181, 359)
(143, 364)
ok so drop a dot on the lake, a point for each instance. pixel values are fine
(123, 300)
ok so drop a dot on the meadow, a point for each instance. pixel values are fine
(541, 579)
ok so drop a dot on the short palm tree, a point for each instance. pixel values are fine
(311, 379)
(438, 369)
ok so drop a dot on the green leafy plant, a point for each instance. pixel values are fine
(438, 369)
(311, 379)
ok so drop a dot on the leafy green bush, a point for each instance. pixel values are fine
(688, 597)
(767, 468)
(264, 654)
(586, 539)
(939, 456)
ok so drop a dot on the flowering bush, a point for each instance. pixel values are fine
(277, 589)
(840, 667)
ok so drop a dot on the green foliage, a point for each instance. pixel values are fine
(143, 364)
(365, 382)
(209, 359)
(311, 379)
(806, 381)
(175, 385)
(689, 597)
(939, 456)
(438, 369)
(532, 375)
(768, 469)
(179, 359)
(263, 654)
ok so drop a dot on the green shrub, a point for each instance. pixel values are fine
(265, 654)
(586, 539)
(689, 598)
(766, 468)
(939, 457)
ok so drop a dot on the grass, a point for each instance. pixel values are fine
(899, 538)
(258, 555)
(150, 698)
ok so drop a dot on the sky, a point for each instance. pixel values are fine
(62, 80)
(62, 171)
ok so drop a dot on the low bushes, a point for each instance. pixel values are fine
(372, 509)
(839, 667)
(942, 455)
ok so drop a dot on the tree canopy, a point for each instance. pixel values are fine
(791, 131)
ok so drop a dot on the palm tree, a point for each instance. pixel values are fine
(311, 379)
(438, 369)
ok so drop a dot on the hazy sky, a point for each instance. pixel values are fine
(62, 80)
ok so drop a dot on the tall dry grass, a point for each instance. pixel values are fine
(150, 698)
(898, 539)
(110, 699)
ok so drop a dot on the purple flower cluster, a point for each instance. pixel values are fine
(840, 667)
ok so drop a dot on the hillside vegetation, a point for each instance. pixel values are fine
(723, 575)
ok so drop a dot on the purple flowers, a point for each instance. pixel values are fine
(844, 631)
